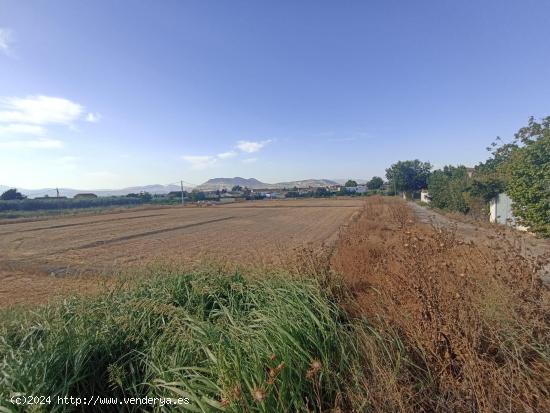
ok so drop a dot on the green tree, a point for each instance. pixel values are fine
(12, 194)
(408, 175)
(448, 187)
(350, 184)
(490, 177)
(237, 188)
(528, 176)
(375, 183)
(520, 168)
(145, 196)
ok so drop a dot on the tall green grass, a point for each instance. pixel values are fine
(228, 343)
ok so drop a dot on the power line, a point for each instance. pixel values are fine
(185, 182)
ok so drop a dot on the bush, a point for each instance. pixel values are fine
(455, 325)
(267, 345)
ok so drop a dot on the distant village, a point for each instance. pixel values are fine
(238, 193)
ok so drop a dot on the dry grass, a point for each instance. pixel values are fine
(455, 326)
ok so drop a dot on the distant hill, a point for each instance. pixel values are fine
(252, 183)
(359, 181)
(70, 192)
(306, 183)
(210, 185)
(228, 183)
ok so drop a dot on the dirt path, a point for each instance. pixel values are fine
(529, 245)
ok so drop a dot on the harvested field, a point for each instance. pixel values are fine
(63, 254)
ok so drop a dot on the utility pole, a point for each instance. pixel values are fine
(181, 192)
(57, 190)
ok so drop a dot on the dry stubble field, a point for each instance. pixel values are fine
(41, 258)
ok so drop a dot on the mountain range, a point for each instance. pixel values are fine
(252, 183)
(210, 185)
(70, 192)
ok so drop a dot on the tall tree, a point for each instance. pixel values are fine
(448, 187)
(375, 183)
(350, 184)
(520, 168)
(12, 194)
(528, 176)
(408, 175)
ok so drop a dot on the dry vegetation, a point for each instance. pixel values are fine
(454, 326)
(395, 315)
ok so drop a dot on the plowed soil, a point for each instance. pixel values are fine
(47, 257)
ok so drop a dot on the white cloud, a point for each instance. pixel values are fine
(41, 143)
(21, 129)
(39, 110)
(207, 161)
(251, 146)
(21, 118)
(227, 155)
(6, 40)
(200, 162)
(93, 117)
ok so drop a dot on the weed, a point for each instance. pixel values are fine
(455, 326)
(224, 341)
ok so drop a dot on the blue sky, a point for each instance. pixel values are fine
(104, 94)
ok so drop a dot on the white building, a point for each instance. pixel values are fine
(273, 195)
(359, 189)
(425, 196)
(500, 212)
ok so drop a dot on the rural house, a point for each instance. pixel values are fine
(425, 196)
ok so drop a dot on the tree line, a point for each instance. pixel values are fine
(520, 168)
(25, 204)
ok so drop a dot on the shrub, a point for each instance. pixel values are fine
(455, 326)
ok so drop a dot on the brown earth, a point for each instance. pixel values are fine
(60, 255)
